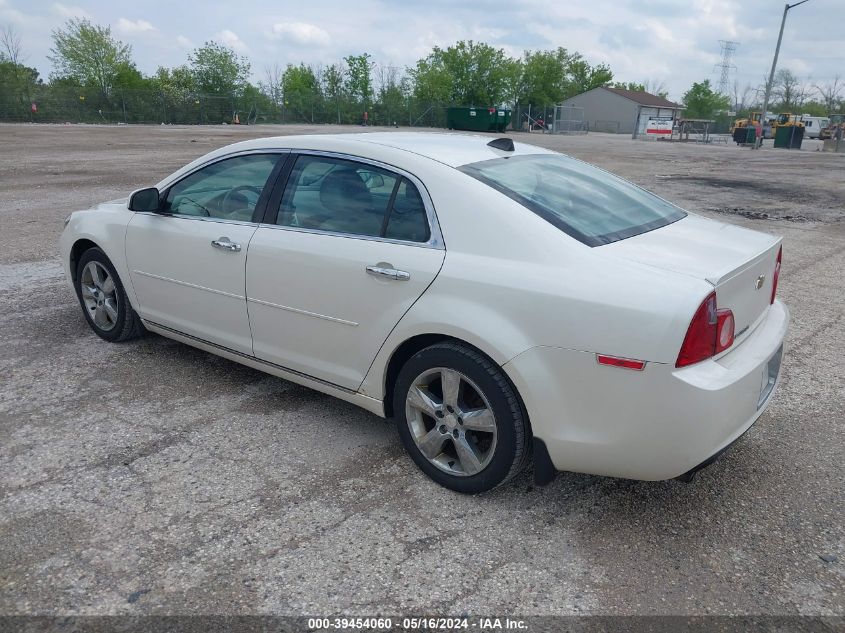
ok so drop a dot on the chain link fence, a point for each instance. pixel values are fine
(67, 104)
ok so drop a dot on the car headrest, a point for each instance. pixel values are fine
(343, 188)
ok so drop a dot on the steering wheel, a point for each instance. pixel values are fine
(226, 196)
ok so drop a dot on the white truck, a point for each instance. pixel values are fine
(813, 125)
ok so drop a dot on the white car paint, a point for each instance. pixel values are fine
(299, 305)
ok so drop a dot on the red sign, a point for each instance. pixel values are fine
(33, 107)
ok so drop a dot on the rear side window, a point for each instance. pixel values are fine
(588, 203)
(342, 196)
(408, 220)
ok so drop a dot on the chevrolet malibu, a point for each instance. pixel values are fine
(500, 301)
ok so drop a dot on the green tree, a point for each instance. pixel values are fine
(815, 108)
(301, 91)
(17, 81)
(218, 70)
(702, 102)
(359, 83)
(432, 81)
(88, 53)
(790, 90)
(332, 87)
(543, 80)
(468, 73)
(629, 85)
(549, 77)
(831, 95)
(18, 85)
(583, 77)
(177, 83)
(390, 96)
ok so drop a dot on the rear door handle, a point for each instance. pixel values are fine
(389, 273)
(224, 243)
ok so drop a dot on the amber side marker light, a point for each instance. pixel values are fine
(622, 363)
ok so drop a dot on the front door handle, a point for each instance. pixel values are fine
(226, 244)
(390, 273)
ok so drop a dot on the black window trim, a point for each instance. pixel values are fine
(435, 239)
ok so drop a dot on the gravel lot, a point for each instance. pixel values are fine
(154, 478)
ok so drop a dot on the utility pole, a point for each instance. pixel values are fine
(769, 83)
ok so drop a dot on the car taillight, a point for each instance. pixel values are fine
(711, 331)
(776, 275)
(724, 329)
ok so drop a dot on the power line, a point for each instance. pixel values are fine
(728, 49)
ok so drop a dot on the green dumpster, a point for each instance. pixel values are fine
(751, 135)
(745, 135)
(478, 119)
(789, 137)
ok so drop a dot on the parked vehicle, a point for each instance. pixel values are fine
(755, 118)
(836, 122)
(813, 125)
(498, 300)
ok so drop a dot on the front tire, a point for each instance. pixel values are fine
(460, 418)
(103, 299)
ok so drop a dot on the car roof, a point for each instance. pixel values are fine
(454, 149)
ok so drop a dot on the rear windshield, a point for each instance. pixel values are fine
(588, 203)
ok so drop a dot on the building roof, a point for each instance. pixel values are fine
(644, 98)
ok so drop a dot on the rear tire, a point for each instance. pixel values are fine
(103, 299)
(460, 419)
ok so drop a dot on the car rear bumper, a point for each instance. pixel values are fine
(659, 423)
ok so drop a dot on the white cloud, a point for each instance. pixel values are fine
(10, 15)
(184, 42)
(70, 12)
(137, 26)
(302, 33)
(231, 39)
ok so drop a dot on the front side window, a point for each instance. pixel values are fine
(588, 203)
(342, 196)
(228, 189)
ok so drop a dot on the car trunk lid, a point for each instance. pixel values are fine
(738, 262)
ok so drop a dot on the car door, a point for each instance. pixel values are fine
(344, 252)
(187, 262)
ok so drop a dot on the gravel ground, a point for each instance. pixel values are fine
(152, 478)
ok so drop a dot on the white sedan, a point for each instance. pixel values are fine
(500, 301)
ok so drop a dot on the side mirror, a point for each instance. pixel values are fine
(145, 200)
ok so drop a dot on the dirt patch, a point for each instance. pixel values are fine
(753, 214)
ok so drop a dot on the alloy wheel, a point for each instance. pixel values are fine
(99, 295)
(451, 421)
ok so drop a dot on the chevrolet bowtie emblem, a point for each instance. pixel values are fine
(759, 283)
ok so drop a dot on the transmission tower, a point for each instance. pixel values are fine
(728, 49)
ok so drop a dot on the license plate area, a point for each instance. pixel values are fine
(770, 376)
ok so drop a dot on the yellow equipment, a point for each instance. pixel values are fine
(756, 117)
(836, 121)
(786, 119)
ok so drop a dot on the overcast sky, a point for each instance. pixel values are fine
(673, 41)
